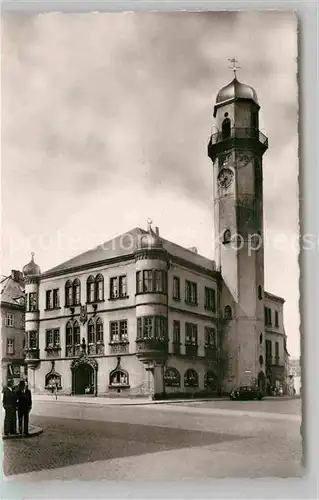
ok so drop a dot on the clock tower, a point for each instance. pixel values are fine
(236, 151)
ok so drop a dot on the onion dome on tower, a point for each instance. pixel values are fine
(31, 269)
(236, 90)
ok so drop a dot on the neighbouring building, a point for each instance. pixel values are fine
(13, 366)
(142, 315)
(295, 375)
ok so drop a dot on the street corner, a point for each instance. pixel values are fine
(34, 430)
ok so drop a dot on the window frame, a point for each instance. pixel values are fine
(191, 292)
(10, 343)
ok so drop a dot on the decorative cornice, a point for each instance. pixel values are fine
(273, 297)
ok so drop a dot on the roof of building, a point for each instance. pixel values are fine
(274, 298)
(12, 291)
(124, 245)
(236, 90)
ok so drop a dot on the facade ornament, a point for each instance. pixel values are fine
(83, 314)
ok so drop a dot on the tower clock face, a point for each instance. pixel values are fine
(225, 177)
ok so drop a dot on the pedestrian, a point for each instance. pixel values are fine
(9, 403)
(24, 405)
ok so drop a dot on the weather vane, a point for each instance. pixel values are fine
(233, 66)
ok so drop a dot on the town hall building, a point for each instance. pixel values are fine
(141, 315)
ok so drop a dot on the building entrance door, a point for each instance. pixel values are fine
(83, 379)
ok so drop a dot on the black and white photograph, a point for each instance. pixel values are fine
(150, 324)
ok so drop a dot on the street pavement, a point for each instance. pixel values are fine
(192, 440)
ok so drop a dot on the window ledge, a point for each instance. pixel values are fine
(118, 298)
(151, 292)
(94, 302)
(177, 299)
(52, 308)
(191, 303)
(54, 348)
(210, 309)
(119, 386)
(116, 342)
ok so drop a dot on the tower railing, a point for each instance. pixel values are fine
(239, 133)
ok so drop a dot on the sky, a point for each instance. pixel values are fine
(106, 120)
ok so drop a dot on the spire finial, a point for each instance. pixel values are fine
(32, 256)
(149, 225)
(233, 66)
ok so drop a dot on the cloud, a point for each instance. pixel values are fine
(106, 119)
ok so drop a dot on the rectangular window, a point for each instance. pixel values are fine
(147, 281)
(56, 298)
(122, 286)
(139, 328)
(77, 294)
(33, 303)
(9, 320)
(148, 327)
(176, 332)
(191, 292)
(158, 279)
(56, 337)
(276, 319)
(114, 327)
(277, 351)
(49, 339)
(210, 337)
(69, 296)
(191, 334)
(114, 288)
(33, 340)
(268, 319)
(48, 299)
(210, 299)
(91, 335)
(123, 331)
(139, 282)
(10, 346)
(176, 288)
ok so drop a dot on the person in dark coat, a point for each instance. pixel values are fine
(9, 402)
(24, 405)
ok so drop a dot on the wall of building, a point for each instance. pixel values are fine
(17, 334)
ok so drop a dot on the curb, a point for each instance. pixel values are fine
(34, 430)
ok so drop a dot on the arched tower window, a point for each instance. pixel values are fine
(260, 293)
(99, 283)
(226, 127)
(90, 289)
(227, 312)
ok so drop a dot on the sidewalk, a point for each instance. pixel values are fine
(133, 401)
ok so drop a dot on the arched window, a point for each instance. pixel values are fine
(191, 378)
(261, 360)
(227, 312)
(90, 289)
(99, 283)
(226, 127)
(227, 236)
(68, 294)
(99, 331)
(261, 338)
(172, 377)
(210, 380)
(119, 378)
(260, 293)
(76, 331)
(69, 334)
(76, 292)
(91, 332)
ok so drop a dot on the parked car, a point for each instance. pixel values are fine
(246, 392)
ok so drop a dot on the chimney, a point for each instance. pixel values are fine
(193, 249)
(157, 231)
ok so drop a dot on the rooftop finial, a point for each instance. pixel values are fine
(32, 256)
(233, 66)
(149, 225)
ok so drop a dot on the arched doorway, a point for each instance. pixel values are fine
(261, 381)
(84, 376)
